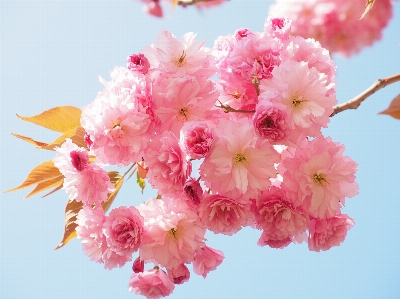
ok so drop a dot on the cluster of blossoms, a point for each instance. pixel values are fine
(154, 8)
(254, 137)
(336, 24)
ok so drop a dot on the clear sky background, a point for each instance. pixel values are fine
(51, 55)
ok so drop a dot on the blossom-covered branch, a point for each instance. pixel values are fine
(356, 101)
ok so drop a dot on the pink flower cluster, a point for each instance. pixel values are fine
(336, 24)
(255, 136)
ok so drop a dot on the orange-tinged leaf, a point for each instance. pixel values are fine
(47, 185)
(394, 108)
(60, 119)
(40, 174)
(368, 7)
(73, 207)
(30, 140)
(77, 135)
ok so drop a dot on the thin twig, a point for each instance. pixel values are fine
(356, 102)
(130, 168)
(228, 108)
(191, 2)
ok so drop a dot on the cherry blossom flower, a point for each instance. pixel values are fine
(196, 137)
(207, 259)
(303, 92)
(179, 275)
(326, 233)
(138, 265)
(181, 100)
(193, 192)
(239, 163)
(318, 177)
(138, 62)
(123, 229)
(173, 232)
(118, 121)
(278, 27)
(84, 182)
(224, 215)
(168, 167)
(152, 284)
(180, 58)
(270, 122)
(336, 24)
(279, 219)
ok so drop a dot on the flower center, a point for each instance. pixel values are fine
(116, 123)
(239, 158)
(181, 60)
(183, 112)
(236, 94)
(319, 179)
(297, 100)
(268, 122)
(173, 232)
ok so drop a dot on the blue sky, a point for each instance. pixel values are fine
(52, 53)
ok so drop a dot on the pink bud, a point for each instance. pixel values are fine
(138, 62)
(193, 191)
(179, 275)
(138, 265)
(143, 169)
(153, 8)
(79, 159)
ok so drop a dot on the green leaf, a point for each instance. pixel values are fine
(140, 181)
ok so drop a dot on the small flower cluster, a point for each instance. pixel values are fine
(255, 135)
(336, 24)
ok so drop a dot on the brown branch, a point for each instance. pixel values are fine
(191, 2)
(228, 109)
(356, 102)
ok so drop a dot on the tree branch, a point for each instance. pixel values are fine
(356, 102)
(191, 2)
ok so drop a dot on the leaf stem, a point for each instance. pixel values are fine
(355, 102)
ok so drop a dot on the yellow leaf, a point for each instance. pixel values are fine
(394, 108)
(368, 7)
(60, 119)
(73, 207)
(44, 175)
(77, 136)
(30, 140)
(47, 185)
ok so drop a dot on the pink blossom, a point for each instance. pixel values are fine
(152, 284)
(223, 45)
(168, 167)
(154, 8)
(138, 265)
(326, 233)
(255, 56)
(181, 100)
(271, 122)
(124, 230)
(278, 27)
(224, 215)
(179, 275)
(273, 241)
(239, 163)
(279, 219)
(336, 24)
(242, 33)
(180, 58)
(84, 182)
(318, 177)
(303, 91)
(173, 232)
(193, 192)
(196, 137)
(119, 121)
(138, 62)
(207, 259)
(90, 230)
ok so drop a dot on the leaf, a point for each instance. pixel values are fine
(368, 7)
(44, 175)
(47, 185)
(30, 140)
(60, 119)
(394, 108)
(73, 207)
(77, 135)
(140, 181)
